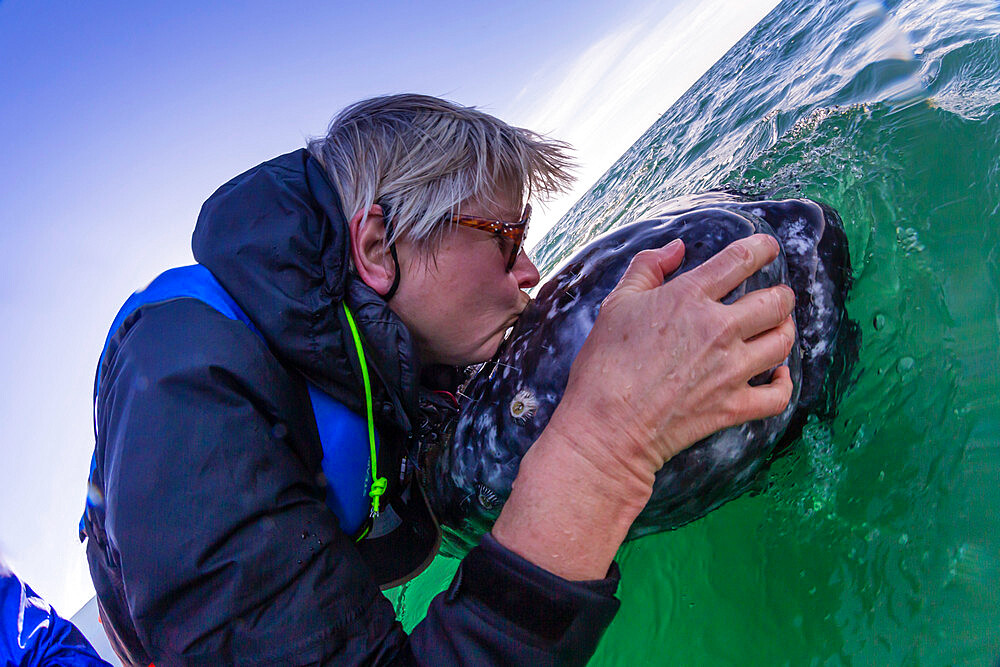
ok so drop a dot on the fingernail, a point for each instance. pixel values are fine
(673, 244)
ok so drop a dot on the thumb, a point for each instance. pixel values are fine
(649, 268)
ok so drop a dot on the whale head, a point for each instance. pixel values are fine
(509, 401)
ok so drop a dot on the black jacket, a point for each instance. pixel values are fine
(209, 539)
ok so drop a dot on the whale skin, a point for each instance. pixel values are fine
(506, 405)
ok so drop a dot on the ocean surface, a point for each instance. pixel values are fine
(877, 540)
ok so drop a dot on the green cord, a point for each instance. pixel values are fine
(378, 483)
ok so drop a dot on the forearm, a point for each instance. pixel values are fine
(572, 503)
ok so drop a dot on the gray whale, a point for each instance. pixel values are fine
(509, 401)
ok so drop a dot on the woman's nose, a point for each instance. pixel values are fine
(525, 271)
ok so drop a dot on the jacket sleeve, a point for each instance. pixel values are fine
(216, 523)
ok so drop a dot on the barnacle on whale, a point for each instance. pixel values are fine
(487, 497)
(523, 406)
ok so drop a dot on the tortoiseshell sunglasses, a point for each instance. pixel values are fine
(515, 231)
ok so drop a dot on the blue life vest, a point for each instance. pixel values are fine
(346, 462)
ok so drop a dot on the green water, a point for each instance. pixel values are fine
(877, 541)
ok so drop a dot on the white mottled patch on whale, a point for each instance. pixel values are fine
(485, 426)
(729, 446)
(796, 238)
(822, 310)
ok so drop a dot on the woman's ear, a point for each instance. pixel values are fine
(370, 251)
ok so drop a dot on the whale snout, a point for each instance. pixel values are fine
(511, 402)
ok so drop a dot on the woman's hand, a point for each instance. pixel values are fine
(669, 364)
(664, 366)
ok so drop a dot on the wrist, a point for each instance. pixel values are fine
(567, 513)
(600, 437)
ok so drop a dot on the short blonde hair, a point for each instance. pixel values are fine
(421, 157)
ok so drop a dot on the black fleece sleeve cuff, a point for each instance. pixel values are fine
(503, 610)
(535, 599)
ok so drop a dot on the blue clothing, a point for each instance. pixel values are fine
(32, 634)
(346, 460)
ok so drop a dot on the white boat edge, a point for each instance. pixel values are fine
(88, 622)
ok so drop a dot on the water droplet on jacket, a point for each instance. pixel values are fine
(305, 534)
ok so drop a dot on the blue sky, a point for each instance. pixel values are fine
(117, 119)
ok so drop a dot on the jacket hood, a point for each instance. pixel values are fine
(276, 238)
